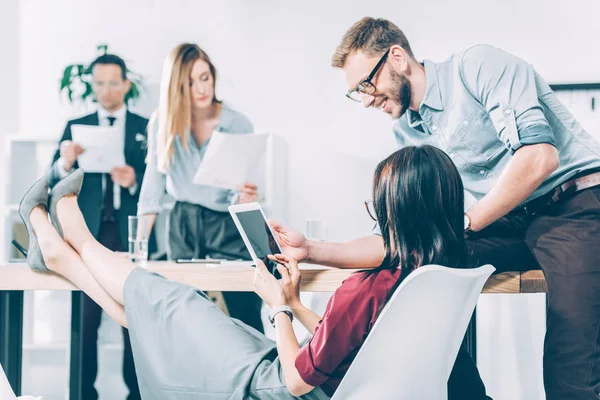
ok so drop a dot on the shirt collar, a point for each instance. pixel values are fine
(119, 114)
(414, 119)
(433, 95)
(225, 121)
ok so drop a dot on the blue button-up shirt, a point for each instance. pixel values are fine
(482, 105)
(177, 182)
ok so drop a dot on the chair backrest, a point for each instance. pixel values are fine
(6, 392)
(412, 347)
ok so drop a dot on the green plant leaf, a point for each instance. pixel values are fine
(102, 48)
(88, 90)
(87, 70)
(133, 94)
(66, 78)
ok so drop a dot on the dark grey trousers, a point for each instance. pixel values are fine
(564, 241)
(198, 232)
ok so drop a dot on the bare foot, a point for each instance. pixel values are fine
(68, 210)
(73, 224)
(51, 245)
(123, 254)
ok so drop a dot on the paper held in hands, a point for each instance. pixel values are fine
(103, 147)
(231, 159)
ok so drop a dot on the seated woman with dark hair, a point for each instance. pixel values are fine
(186, 348)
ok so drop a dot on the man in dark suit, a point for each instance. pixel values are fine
(106, 200)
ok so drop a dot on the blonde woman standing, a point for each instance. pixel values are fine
(179, 131)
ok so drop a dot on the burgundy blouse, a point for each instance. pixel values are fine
(348, 319)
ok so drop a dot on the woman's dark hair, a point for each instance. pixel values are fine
(419, 203)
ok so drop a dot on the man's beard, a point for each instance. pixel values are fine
(401, 93)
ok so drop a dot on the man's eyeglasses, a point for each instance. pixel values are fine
(371, 210)
(365, 86)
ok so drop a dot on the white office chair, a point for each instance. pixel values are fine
(412, 347)
(6, 392)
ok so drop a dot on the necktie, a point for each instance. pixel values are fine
(109, 208)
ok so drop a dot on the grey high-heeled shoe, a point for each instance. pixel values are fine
(71, 184)
(36, 195)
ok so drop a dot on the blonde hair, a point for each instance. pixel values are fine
(371, 36)
(174, 114)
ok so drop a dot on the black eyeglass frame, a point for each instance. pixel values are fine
(365, 86)
(373, 217)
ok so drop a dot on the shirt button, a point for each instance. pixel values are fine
(481, 172)
(466, 123)
(451, 155)
(434, 128)
(508, 111)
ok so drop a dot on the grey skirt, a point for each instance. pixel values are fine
(184, 347)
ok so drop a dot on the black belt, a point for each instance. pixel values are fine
(560, 192)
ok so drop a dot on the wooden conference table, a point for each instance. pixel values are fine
(17, 277)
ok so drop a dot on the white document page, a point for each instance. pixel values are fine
(231, 159)
(103, 147)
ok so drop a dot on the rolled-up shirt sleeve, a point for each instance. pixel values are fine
(505, 85)
(154, 182)
(341, 333)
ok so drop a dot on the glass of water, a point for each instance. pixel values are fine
(316, 230)
(138, 235)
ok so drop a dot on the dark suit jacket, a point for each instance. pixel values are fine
(91, 200)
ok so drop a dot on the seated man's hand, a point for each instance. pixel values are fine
(292, 242)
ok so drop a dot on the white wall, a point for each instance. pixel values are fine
(9, 72)
(273, 59)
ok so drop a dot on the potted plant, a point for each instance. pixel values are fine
(76, 81)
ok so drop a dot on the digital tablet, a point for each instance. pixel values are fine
(258, 237)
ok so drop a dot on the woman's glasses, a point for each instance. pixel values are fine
(371, 210)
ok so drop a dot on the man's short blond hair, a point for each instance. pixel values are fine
(371, 36)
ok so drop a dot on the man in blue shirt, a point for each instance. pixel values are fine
(533, 169)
